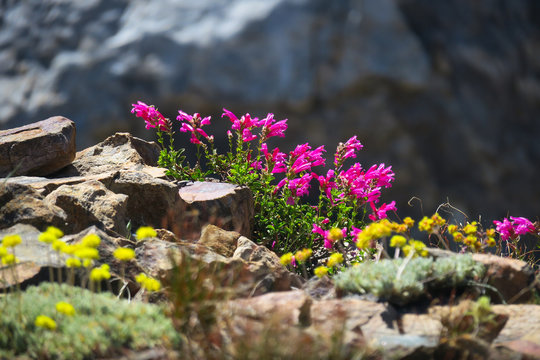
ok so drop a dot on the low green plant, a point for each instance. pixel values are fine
(402, 281)
(101, 324)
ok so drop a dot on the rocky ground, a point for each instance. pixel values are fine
(105, 187)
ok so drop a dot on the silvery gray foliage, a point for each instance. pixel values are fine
(402, 281)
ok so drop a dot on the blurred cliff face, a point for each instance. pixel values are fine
(446, 91)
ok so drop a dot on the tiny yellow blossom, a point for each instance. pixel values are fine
(321, 271)
(145, 232)
(426, 224)
(286, 259)
(3, 251)
(124, 254)
(458, 237)
(408, 221)
(490, 241)
(11, 240)
(470, 240)
(438, 220)
(406, 250)
(490, 232)
(303, 255)
(141, 278)
(54, 231)
(100, 273)
(91, 241)
(334, 259)
(45, 322)
(87, 263)
(73, 263)
(335, 234)
(58, 245)
(65, 308)
(152, 285)
(471, 228)
(452, 228)
(9, 259)
(401, 228)
(47, 237)
(398, 241)
(69, 249)
(87, 253)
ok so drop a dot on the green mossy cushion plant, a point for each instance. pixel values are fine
(402, 281)
(101, 324)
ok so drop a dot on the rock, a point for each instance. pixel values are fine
(38, 149)
(121, 151)
(221, 241)
(150, 201)
(35, 258)
(21, 204)
(90, 203)
(511, 277)
(227, 206)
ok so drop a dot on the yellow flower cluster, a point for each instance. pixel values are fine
(418, 247)
(431, 224)
(45, 322)
(65, 308)
(321, 271)
(335, 234)
(471, 236)
(334, 259)
(380, 229)
(303, 255)
(145, 232)
(124, 254)
(286, 259)
(9, 242)
(101, 273)
(148, 283)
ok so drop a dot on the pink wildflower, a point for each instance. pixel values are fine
(512, 229)
(242, 125)
(303, 159)
(347, 150)
(150, 115)
(193, 124)
(326, 184)
(275, 161)
(380, 213)
(270, 129)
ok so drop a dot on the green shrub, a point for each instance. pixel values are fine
(402, 281)
(102, 324)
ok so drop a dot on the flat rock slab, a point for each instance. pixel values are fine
(227, 206)
(37, 149)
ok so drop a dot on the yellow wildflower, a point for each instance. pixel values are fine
(321, 271)
(152, 285)
(471, 228)
(47, 237)
(334, 259)
(408, 221)
(45, 322)
(286, 259)
(490, 232)
(426, 224)
(65, 308)
(100, 273)
(11, 240)
(406, 250)
(470, 240)
(490, 241)
(54, 231)
(145, 232)
(458, 237)
(452, 228)
(58, 245)
(87, 253)
(9, 259)
(124, 254)
(438, 220)
(303, 255)
(3, 251)
(335, 234)
(398, 241)
(73, 263)
(91, 241)
(141, 278)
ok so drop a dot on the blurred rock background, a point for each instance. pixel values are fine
(448, 92)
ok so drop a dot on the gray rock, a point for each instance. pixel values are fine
(90, 203)
(221, 241)
(38, 149)
(227, 206)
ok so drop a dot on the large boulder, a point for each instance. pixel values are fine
(37, 149)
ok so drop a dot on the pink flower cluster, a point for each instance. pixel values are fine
(347, 150)
(193, 124)
(511, 229)
(150, 115)
(246, 124)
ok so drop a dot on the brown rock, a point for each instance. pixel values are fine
(90, 203)
(511, 277)
(221, 241)
(227, 206)
(21, 204)
(117, 152)
(37, 149)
